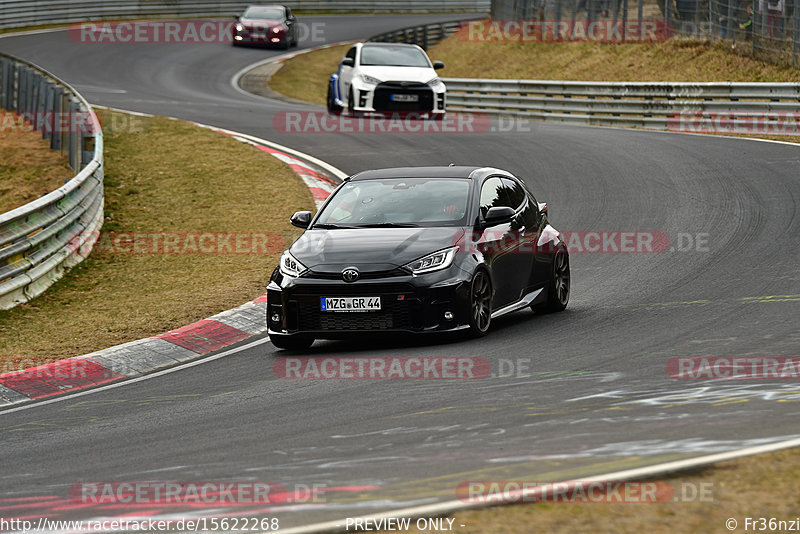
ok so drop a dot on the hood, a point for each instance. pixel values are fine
(405, 74)
(370, 249)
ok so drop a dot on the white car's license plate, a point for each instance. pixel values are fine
(405, 98)
(350, 304)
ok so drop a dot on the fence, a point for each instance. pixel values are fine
(42, 239)
(17, 13)
(766, 29)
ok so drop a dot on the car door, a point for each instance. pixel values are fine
(500, 244)
(346, 74)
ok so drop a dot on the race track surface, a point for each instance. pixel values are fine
(589, 391)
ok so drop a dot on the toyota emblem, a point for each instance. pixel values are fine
(350, 274)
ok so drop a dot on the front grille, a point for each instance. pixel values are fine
(371, 275)
(384, 91)
(395, 314)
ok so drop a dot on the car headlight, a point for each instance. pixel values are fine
(370, 80)
(290, 266)
(432, 262)
(239, 27)
(277, 29)
(435, 83)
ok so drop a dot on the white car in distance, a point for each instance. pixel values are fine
(387, 78)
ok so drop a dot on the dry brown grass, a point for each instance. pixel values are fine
(305, 77)
(28, 168)
(759, 486)
(162, 176)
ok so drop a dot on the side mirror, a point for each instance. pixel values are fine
(236, 18)
(301, 219)
(348, 62)
(543, 208)
(438, 65)
(498, 215)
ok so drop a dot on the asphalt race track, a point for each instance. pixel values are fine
(577, 393)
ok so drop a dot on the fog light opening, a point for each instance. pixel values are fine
(275, 318)
(448, 316)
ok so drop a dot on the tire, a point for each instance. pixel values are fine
(437, 117)
(294, 342)
(333, 108)
(480, 303)
(558, 287)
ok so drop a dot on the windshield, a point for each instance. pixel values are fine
(395, 56)
(398, 202)
(263, 13)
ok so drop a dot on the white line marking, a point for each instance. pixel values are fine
(180, 367)
(447, 507)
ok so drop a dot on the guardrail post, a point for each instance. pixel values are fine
(47, 112)
(34, 99)
(55, 135)
(2, 82)
(74, 136)
(424, 37)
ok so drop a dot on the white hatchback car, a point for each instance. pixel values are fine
(387, 78)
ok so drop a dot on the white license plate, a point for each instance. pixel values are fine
(350, 304)
(405, 98)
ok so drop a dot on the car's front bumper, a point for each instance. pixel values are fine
(393, 97)
(417, 304)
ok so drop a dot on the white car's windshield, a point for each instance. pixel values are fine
(398, 201)
(264, 13)
(394, 56)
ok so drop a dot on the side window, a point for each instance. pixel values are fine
(514, 192)
(491, 194)
(288, 13)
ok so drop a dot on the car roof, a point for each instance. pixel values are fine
(455, 171)
(402, 45)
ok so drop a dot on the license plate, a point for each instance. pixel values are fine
(405, 98)
(349, 304)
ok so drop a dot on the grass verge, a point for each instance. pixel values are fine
(28, 168)
(168, 178)
(759, 486)
(305, 77)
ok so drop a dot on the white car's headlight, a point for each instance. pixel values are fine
(441, 259)
(239, 27)
(291, 266)
(370, 80)
(435, 83)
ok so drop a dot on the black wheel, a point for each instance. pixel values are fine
(480, 303)
(295, 342)
(286, 43)
(437, 116)
(332, 106)
(558, 286)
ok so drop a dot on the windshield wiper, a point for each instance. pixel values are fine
(332, 226)
(390, 225)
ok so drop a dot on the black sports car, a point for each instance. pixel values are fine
(417, 249)
(269, 25)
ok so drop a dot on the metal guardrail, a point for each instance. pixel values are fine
(633, 104)
(424, 35)
(17, 13)
(44, 238)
